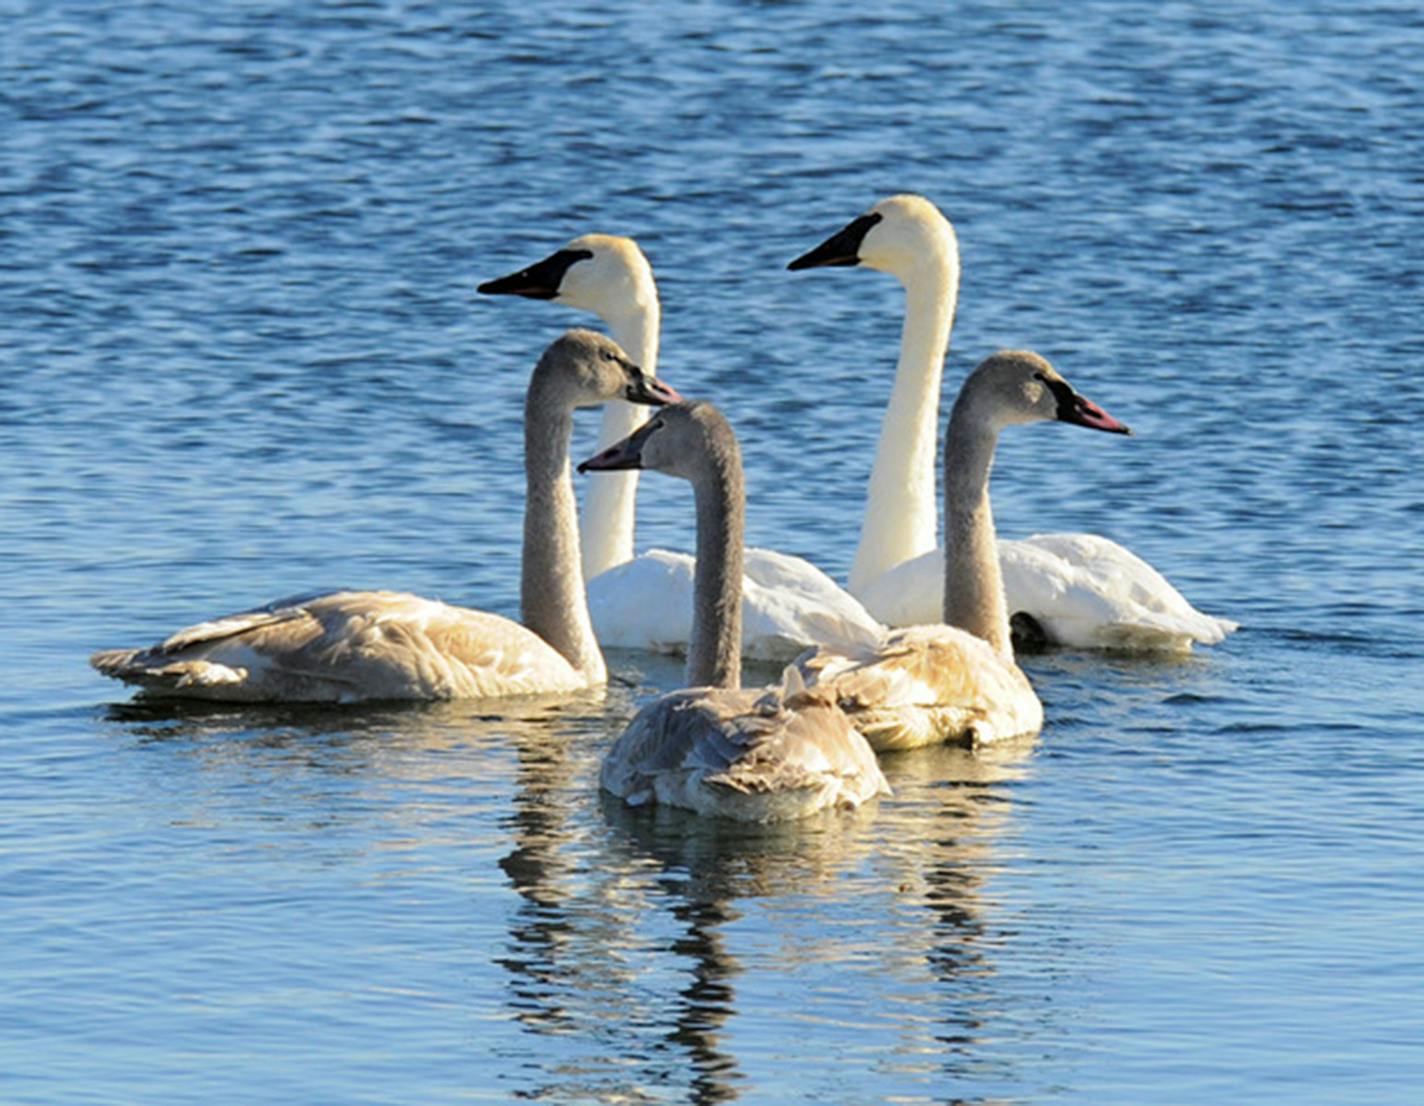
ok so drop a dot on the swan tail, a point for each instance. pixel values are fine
(113, 662)
(157, 674)
(1164, 636)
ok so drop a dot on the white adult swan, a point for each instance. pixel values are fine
(1081, 590)
(759, 756)
(787, 602)
(348, 646)
(958, 681)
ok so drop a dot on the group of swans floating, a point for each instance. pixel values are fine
(918, 651)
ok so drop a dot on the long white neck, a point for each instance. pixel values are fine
(900, 501)
(611, 499)
(551, 590)
(714, 653)
(973, 586)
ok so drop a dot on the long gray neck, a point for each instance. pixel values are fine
(551, 592)
(973, 586)
(714, 655)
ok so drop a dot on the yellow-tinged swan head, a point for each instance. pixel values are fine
(900, 235)
(603, 273)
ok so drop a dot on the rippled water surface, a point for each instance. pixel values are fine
(243, 358)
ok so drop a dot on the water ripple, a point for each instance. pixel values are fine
(238, 247)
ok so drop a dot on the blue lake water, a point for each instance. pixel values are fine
(243, 358)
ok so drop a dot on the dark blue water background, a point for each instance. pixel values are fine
(243, 358)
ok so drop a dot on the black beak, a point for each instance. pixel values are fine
(621, 455)
(539, 281)
(841, 248)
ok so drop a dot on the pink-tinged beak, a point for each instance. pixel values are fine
(658, 394)
(1082, 411)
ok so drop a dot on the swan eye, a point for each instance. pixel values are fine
(1056, 388)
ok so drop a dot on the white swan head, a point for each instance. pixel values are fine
(602, 273)
(584, 368)
(675, 440)
(900, 235)
(1016, 386)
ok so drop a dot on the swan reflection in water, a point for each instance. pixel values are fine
(643, 948)
(638, 935)
(348, 739)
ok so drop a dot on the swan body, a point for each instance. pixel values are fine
(925, 685)
(958, 681)
(1082, 590)
(350, 646)
(750, 756)
(1085, 592)
(713, 748)
(788, 603)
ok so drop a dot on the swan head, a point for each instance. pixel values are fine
(1018, 386)
(602, 273)
(899, 235)
(678, 440)
(585, 368)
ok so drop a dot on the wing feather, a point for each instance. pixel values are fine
(926, 685)
(347, 646)
(746, 755)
